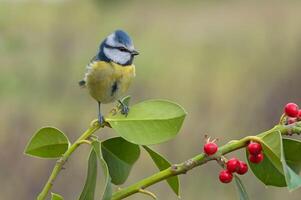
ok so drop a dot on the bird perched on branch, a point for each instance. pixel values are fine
(111, 71)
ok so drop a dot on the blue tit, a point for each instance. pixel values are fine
(110, 73)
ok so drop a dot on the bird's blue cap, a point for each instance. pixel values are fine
(123, 38)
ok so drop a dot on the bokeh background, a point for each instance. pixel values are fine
(231, 64)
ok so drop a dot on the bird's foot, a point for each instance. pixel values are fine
(101, 119)
(125, 110)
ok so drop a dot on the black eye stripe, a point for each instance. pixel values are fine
(122, 49)
(109, 46)
(119, 48)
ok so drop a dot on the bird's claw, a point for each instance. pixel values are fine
(100, 119)
(125, 110)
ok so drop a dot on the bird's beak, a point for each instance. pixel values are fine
(135, 53)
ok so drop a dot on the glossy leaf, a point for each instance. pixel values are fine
(149, 122)
(56, 197)
(272, 144)
(243, 195)
(162, 164)
(291, 154)
(267, 173)
(48, 142)
(107, 193)
(90, 184)
(120, 156)
(270, 170)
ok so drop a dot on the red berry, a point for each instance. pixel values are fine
(254, 148)
(243, 168)
(299, 114)
(210, 148)
(225, 176)
(233, 165)
(256, 158)
(291, 120)
(291, 109)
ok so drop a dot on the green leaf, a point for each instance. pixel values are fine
(120, 155)
(272, 144)
(56, 197)
(243, 195)
(293, 180)
(149, 122)
(48, 142)
(291, 154)
(90, 184)
(107, 194)
(267, 173)
(162, 164)
(270, 170)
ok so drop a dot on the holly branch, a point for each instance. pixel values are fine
(202, 158)
(157, 121)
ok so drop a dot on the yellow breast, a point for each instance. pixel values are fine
(108, 82)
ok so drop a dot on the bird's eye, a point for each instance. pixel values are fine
(122, 49)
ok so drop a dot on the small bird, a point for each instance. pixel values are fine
(110, 73)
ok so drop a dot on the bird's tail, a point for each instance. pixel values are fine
(82, 83)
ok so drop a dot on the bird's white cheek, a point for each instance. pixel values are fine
(117, 56)
(110, 40)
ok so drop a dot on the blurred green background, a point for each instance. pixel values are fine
(231, 64)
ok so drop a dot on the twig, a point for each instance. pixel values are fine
(94, 126)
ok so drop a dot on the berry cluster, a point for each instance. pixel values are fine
(255, 152)
(292, 113)
(232, 166)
